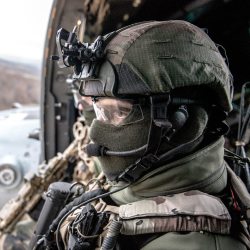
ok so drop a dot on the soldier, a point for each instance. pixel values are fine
(161, 96)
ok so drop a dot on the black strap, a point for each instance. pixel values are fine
(138, 169)
(159, 122)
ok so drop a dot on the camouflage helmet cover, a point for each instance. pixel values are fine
(156, 57)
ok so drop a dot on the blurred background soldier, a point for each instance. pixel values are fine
(27, 205)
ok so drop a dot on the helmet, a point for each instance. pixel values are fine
(153, 58)
(161, 61)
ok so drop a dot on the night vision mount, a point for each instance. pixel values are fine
(83, 57)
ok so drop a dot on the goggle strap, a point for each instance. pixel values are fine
(159, 122)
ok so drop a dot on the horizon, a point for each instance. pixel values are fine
(37, 63)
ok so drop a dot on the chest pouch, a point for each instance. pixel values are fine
(86, 227)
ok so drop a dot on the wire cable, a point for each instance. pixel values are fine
(244, 121)
(80, 205)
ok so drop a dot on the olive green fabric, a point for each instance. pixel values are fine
(204, 170)
(168, 55)
(157, 57)
(119, 138)
(194, 241)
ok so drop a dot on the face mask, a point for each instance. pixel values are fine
(120, 138)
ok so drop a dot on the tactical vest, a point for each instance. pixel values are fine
(192, 211)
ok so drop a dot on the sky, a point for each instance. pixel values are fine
(23, 25)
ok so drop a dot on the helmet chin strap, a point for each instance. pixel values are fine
(159, 122)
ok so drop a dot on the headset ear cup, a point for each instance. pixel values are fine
(179, 117)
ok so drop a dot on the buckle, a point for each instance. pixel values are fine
(138, 169)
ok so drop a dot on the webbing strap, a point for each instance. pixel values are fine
(159, 122)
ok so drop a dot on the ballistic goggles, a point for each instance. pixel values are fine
(117, 111)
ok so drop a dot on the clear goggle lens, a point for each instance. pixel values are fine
(117, 111)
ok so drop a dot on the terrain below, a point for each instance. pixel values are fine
(19, 82)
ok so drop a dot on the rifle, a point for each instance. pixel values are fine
(35, 184)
